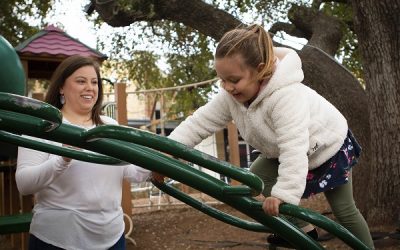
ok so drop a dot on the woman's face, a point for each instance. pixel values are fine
(81, 90)
(237, 78)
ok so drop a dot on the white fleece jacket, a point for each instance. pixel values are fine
(287, 120)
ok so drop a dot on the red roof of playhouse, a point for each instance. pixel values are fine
(53, 42)
(44, 51)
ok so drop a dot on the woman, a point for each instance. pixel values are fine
(78, 204)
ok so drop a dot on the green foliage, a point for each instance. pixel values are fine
(16, 18)
(195, 65)
(188, 54)
(143, 69)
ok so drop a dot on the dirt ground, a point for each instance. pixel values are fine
(182, 227)
(176, 226)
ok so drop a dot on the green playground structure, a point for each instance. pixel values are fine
(12, 74)
(111, 144)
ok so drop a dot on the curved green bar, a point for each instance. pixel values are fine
(324, 223)
(139, 155)
(277, 224)
(320, 221)
(215, 213)
(53, 149)
(286, 209)
(15, 223)
(32, 107)
(177, 149)
(12, 76)
(237, 190)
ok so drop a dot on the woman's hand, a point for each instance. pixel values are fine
(157, 177)
(271, 205)
(67, 159)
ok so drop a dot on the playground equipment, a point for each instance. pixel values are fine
(110, 144)
(11, 70)
(12, 80)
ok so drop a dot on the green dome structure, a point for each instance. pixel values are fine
(12, 76)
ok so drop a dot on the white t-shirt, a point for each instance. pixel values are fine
(77, 204)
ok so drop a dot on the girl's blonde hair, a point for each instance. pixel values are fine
(253, 43)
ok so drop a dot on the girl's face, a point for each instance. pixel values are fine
(81, 90)
(237, 78)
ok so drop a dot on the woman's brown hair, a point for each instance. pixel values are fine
(66, 69)
(253, 43)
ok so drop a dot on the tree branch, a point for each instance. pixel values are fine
(196, 14)
(321, 30)
(289, 29)
(324, 32)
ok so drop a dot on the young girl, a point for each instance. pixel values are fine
(305, 144)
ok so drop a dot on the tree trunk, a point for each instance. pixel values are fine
(377, 24)
(339, 86)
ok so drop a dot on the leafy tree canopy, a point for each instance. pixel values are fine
(187, 53)
(17, 16)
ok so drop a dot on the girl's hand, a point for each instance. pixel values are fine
(271, 206)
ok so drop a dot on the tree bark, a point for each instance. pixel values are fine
(321, 31)
(377, 24)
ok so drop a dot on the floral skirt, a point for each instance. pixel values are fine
(335, 171)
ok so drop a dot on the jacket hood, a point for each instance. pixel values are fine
(288, 71)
